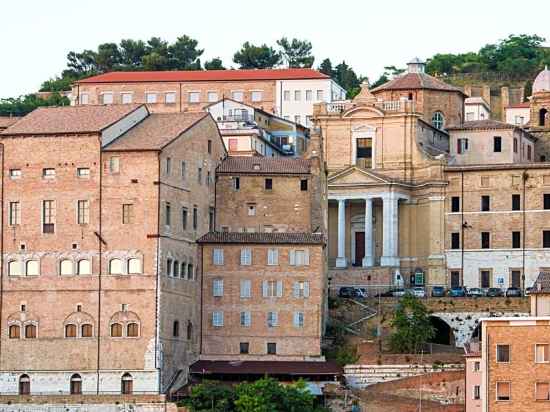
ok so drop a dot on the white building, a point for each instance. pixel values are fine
(518, 114)
(476, 108)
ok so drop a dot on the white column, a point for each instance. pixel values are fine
(341, 259)
(390, 230)
(368, 260)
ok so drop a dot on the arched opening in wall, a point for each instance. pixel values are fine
(127, 384)
(24, 385)
(542, 116)
(443, 333)
(76, 384)
(189, 330)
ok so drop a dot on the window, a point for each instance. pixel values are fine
(183, 170)
(48, 173)
(217, 319)
(271, 348)
(70, 331)
(190, 272)
(24, 385)
(115, 267)
(169, 267)
(497, 144)
(299, 257)
(256, 95)
(127, 214)
(297, 95)
(529, 152)
(477, 392)
(83, 212)
(303, 185)
(309, 95)
(48, 216)
(246, 288)
(542, 116)
(246, 257)
(84, 98)
(176, 329)
(114, 165)
(477, 366)
(217, 287)
(107, 98)
(86, 331)
(167, 213)
(272, 319)
(15, 332)
(286, 95)
(542, 355)
(32, 268)
(170, 97)
(132, 330)
(211, 220)
(438, 120)
(83, 172)
(195, 218)
(168, 166)
(217, 257)
(199, 175)
(30, 332)
(84, 267)
(546, 201)
(546, 238)
(150, 98)
(76, 384)
(245, 319)
(127, 384)
(516, 202)
(184, 218)
(485, 240)
(297, 119)
(134, 266)
(272, 288)
(209, 146)
(485, 203)
(251, 209)
(503, 353)
(183, 272)
(455, 204)
(268, 184)
(243, 348)
(503, 391)
(542, 391)
(455, 240)
(236, 183)
(272, 257)
(516, 240)
(15, 213)
(66, 267)
(212, 97)
(300, 289)
(194, 97)
(126, 98)
(298, 319)
(189, 330)
(14, 268)
(320, 95)
(515, 144)
(15, 173)
(237, 95)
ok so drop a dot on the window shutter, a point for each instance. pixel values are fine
(296, 319)
(275, 318)
(243, 251)
(306, 257)
(292, 256)
(279, 288)
(264, 288)
(296, 290)
(306, 289)
(247, 318)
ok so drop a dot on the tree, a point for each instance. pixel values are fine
(23, 105)
(211, 396)
(132, 52)
(184, 54)
(411, 326)
(214, 64)
(296, 53)
(326, 67)
(256, 57)
(389, 73)
(346, 77)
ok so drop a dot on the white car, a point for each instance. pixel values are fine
(418, 291)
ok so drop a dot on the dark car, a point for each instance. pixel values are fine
(386, 294)
(494, 292)
(457, 292)
(352, 292)
(513, 293)
(438, 292)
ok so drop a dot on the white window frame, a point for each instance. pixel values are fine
(172, 99)
(299, 259)
(217, 288)
(194, 96)
(103, 94)
(298, 320)
(83, 172)
(14, 215)
(273, 257)
(15, 174)
(154, 97)
(256, 95)
(234, 97)
(217, 257)
(245, 288)
(84, 98)
(217, 319)
(246, 256)
(245, 319)
(547, 352)
(272, 319)
(126, 94)
(300, 289)
(212, 96)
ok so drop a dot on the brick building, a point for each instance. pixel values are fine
(100, 281)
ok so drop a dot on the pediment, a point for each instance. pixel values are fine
(356, 175)
(363, 111)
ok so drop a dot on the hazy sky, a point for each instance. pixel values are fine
(36, 35)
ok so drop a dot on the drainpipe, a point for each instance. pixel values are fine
(157, 282)
(1, 243)
(524, 177)
(462, 227)
(100, 253)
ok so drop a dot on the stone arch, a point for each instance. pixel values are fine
(444, 334)
(542, 116)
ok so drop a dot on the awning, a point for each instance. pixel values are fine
(207, 367)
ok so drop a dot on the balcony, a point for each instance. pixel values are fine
(337, 108)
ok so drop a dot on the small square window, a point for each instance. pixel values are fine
(170, 98)
(303, 185)
(256, 96)
(237, 95)
(271, 348)
(15, 173)
(268, 184)
(194, 97)
(251, 209)
(126, 98)
(243, 348)
(48, 173)
(150, 98)
(503, 353)
(83, 172)
(212, 97)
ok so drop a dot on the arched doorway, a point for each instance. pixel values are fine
(127, 384)
(443, 332)
(76, 384)
(24, 385)
(542, 116)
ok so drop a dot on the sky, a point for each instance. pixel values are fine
(37, 34)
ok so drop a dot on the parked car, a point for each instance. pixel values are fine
(352, 292)
(386, 294)
(418, 291)
(513, 292)
(476, 292)
(438, 292)
(398, 293)
(494, 292)
(361, 293)
(457, 292)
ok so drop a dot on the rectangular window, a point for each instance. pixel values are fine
(246, 288)
(271, 348)
(209, 146)
(485, 203)
(455, 240)
(320, 95)
(503, 391)
(127, 214)
(208, 178)
(114, 165)
(217, 257)
(170, 97)
(546, 201)
(169, 267)
(243, 348)
(297, 119)
(217, 287)
(246, 257)
(546, 238)
(286, 95)
(184, 218)
(297, 95)
(516, 240)
(455, 204)
(217, 319)
(183, 170)
(194, 97)
(268, 184)
(300, 289)
(497, 144)
(211, 213)
(237, 95)
(477, 392)
(195, 218)
(251, 209)
(299, 257)
(15, 213)
(503, 353)
(529, 152)
(461, 145)
(15, 173)
(168, 166)
(199, 175)
(542, 391)
(150, 98)
(516, 202)
(245, 319)
(309, 95)
(515, 144)
(167, 214)
(477, 366)
(272, 288)
(83, 212)
(212, 97)
(236, 183)
(272, 319)
(303, 185)
(107, 98)
(126, 98)
(84, 98)
(273, 257)
(48, 216)
(48, 173)
(83, 172)
(485, 240)
(541, 353)
(298, 320)
(256, 95)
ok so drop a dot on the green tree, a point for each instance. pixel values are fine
(211, 396)
(184, 54)
(348, 79)
(107, 57)
(389, 73)
(296, 53)
(132, 52)
(20, 106)
(257, 57)
(326, 67)
(214, 64)
(411, 326)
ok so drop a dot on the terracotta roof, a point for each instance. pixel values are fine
(522, 105)
(483, 124)
(264, 165)
(263, 238)
(412, 81)
(7, 121)
(542, 284)
(156, 131)
(476, 100)
(70, 119)
(205, 75)
(265, 367)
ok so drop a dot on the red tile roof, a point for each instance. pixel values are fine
(542, 284)
(413, 81)
(265, 367)
(264, 165)
(205, 75)
(7, 121)
(70, 119)
(156, 131)
(522, 105)
(263, 238)
(483, 124)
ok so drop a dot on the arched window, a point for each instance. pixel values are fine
(14, 268)
(15, 331)
(132, 330)
(84, 267)
(70, 331)
(115, 267)
(438, 120)
(76, 384)
(176, 329)
(127, 385)
(66, 267)
(24, 385)
(32, 268)
(116, 330)
(190, 274)
(86, 331)
(30, 332)
(134, 266)
(176, 267)
(542, 116)
(182, 270)
(189, 330)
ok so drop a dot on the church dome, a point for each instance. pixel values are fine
(542, 81)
